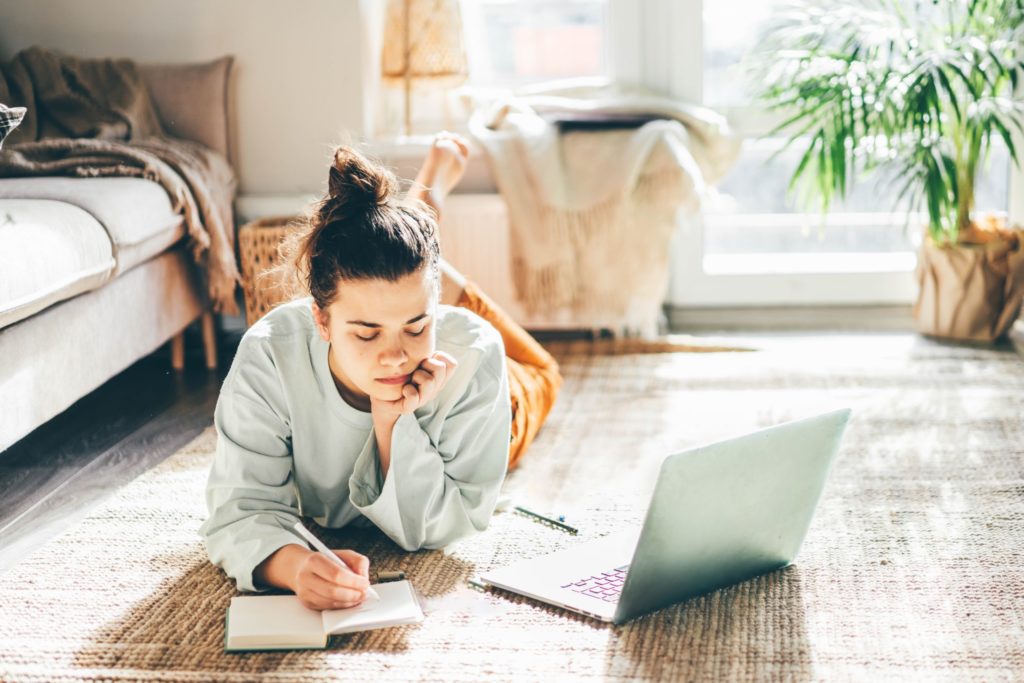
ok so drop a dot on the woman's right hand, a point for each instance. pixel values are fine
(320, 584)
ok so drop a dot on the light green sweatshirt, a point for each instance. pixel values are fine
(288, 445)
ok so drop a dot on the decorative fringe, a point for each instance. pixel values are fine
(612, 260)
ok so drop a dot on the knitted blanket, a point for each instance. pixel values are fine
(592, 211)
(95, 118)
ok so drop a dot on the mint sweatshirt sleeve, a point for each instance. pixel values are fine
(437, 493)
(250, 495)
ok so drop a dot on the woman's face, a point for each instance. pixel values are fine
(379, 332)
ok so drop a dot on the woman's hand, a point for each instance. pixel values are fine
(424, 384)
(320, 584)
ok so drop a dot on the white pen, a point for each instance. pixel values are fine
(324, 550)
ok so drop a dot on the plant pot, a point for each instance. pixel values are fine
(969, 292)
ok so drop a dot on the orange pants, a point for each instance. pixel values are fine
(533, 376)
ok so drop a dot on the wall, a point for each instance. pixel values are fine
(299, 71)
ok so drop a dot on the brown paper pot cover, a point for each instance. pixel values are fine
(969, 292)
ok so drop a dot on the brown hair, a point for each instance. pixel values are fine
(360, 230)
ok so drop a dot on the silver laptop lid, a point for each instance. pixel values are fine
(729, 511)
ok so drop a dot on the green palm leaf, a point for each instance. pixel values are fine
(921, 87)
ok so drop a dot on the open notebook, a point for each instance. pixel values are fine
(282, 622)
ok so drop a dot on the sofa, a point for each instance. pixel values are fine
(96, 272)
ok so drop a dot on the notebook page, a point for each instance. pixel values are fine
(272, 621)
(397, 605)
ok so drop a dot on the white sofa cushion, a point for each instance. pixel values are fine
(137, 213)
(49, 251)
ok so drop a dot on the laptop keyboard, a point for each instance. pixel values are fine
(605, 586)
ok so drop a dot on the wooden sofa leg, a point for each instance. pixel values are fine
(209, 341)
(178, 351)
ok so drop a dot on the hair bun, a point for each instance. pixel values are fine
(354, 184)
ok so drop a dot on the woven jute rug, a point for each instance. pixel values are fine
(912, 569)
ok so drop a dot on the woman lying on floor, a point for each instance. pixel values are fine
(374, 396)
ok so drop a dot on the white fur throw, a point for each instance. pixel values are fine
(591, 213)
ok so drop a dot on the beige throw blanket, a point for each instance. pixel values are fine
(94, 118)
(592, 213)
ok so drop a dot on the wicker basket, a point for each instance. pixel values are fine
(257, 245)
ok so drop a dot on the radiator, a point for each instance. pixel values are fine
(475, 239)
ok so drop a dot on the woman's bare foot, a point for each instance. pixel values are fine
(441, 171)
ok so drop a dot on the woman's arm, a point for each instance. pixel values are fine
(250, 494)
(317, 582)
(427, 382)
(435, 493)
(383, 426)
(279, 570)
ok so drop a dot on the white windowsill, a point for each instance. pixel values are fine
(808, 263)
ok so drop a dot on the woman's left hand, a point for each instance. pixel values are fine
(424, 384)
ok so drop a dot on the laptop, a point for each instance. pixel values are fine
(720, 514)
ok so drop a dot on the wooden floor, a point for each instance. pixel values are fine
(55, 475)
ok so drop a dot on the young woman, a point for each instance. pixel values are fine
(373, 398)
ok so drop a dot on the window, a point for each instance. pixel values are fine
(755, 226)
(731, 28)
(753, 245)
(508, 44)
(755, 215)
(512, 43)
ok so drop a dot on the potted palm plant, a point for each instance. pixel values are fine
(917, 91)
